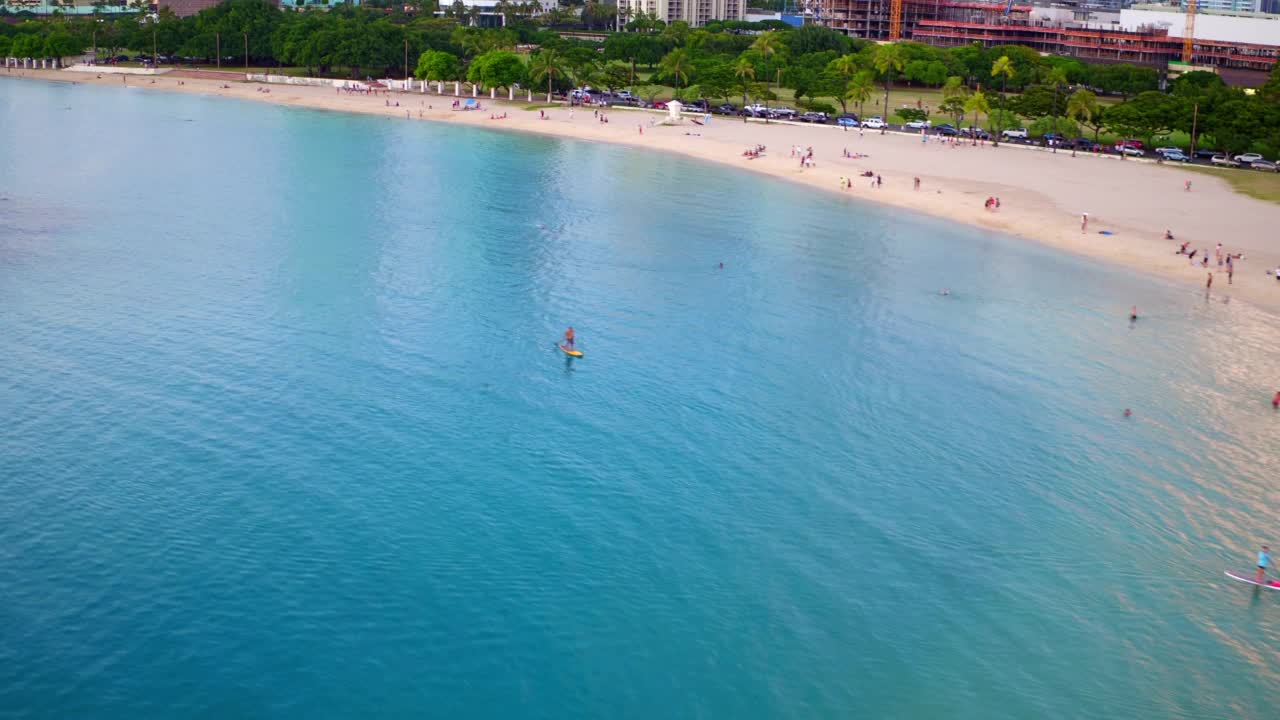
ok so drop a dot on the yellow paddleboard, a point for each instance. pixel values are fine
(570, 353)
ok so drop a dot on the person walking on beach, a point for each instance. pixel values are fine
(917, 183)
(1187, 186)
(1084, 223)
(1209, 283)
(1264, 559)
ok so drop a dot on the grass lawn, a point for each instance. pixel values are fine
(1254, 183)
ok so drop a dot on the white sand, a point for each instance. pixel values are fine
(1042, 194)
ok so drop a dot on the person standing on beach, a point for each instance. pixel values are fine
(917, 183)
(1084, 223)
(1209, 283)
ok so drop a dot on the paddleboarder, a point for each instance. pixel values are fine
(1264, 559)
(568, 338)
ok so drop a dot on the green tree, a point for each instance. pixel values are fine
(1083, 107)
(547, 65)
(1147, 115)
(768, 46)
(954, 94)
(60, 44)
(1003, 69)
(745, 71)
(837, 76)
(888, 60)
(675, 66)
(977, 103)
(437, 65)
(860, 88)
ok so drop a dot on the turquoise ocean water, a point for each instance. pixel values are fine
(285, 434)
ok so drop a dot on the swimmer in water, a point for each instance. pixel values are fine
(1128, 412)
(944, 291)
(1133, 313)
(568, 338)
(1275, 401)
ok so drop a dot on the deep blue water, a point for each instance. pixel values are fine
(286, 435)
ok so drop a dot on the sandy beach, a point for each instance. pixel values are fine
(1042, 194)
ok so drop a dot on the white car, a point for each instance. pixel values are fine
(1248, 158)
(1224, 160)
(624, 94)
(1015, 134)
(1167, 150)
(875, 123)
(919, 124)
(1132, 151)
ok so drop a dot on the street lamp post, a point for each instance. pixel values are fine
(246, 53)
(217, 49)
(406, 64)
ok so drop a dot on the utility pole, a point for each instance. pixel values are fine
(155, 62)
(406, 64)
(246, 53)
(217, 45)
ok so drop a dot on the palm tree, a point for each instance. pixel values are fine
(888, 60)
(676, 65)
(1001, 68)
(1083, 105)
(745, 71)
(846, 66)
(977, 103)
(954, 94)
(860, 87)
(1058, 78)
(767, 44)
(547, 64)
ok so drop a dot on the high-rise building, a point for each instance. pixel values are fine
(1225, 5)
(694, 12)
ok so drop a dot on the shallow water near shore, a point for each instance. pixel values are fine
(286, 434)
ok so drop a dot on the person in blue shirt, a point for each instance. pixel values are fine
(1263, 561)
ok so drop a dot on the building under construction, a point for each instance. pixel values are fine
(948, 24)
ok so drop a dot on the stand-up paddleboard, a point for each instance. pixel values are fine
(1268, 584)
(570, 353)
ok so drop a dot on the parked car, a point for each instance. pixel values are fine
(1247, 158)
(1054, 138)
(1136, 144)
(696, 106)
(1264, 165)
(977, 132)
(624, 94)
(946, 129)
(783, 113)
(1204, 154)
(1015, 134)
(755, 110)
(847, 120)
(660, 105)
(814, 117)
(875, 123)
(918, 125)
(1130, 150)
(1224, 161)
(725, 109)
(1175, 155)
(1163, 150)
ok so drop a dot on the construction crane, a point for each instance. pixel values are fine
(1189, 35)
(895, 20)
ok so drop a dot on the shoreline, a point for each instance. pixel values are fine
(1042, 194)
